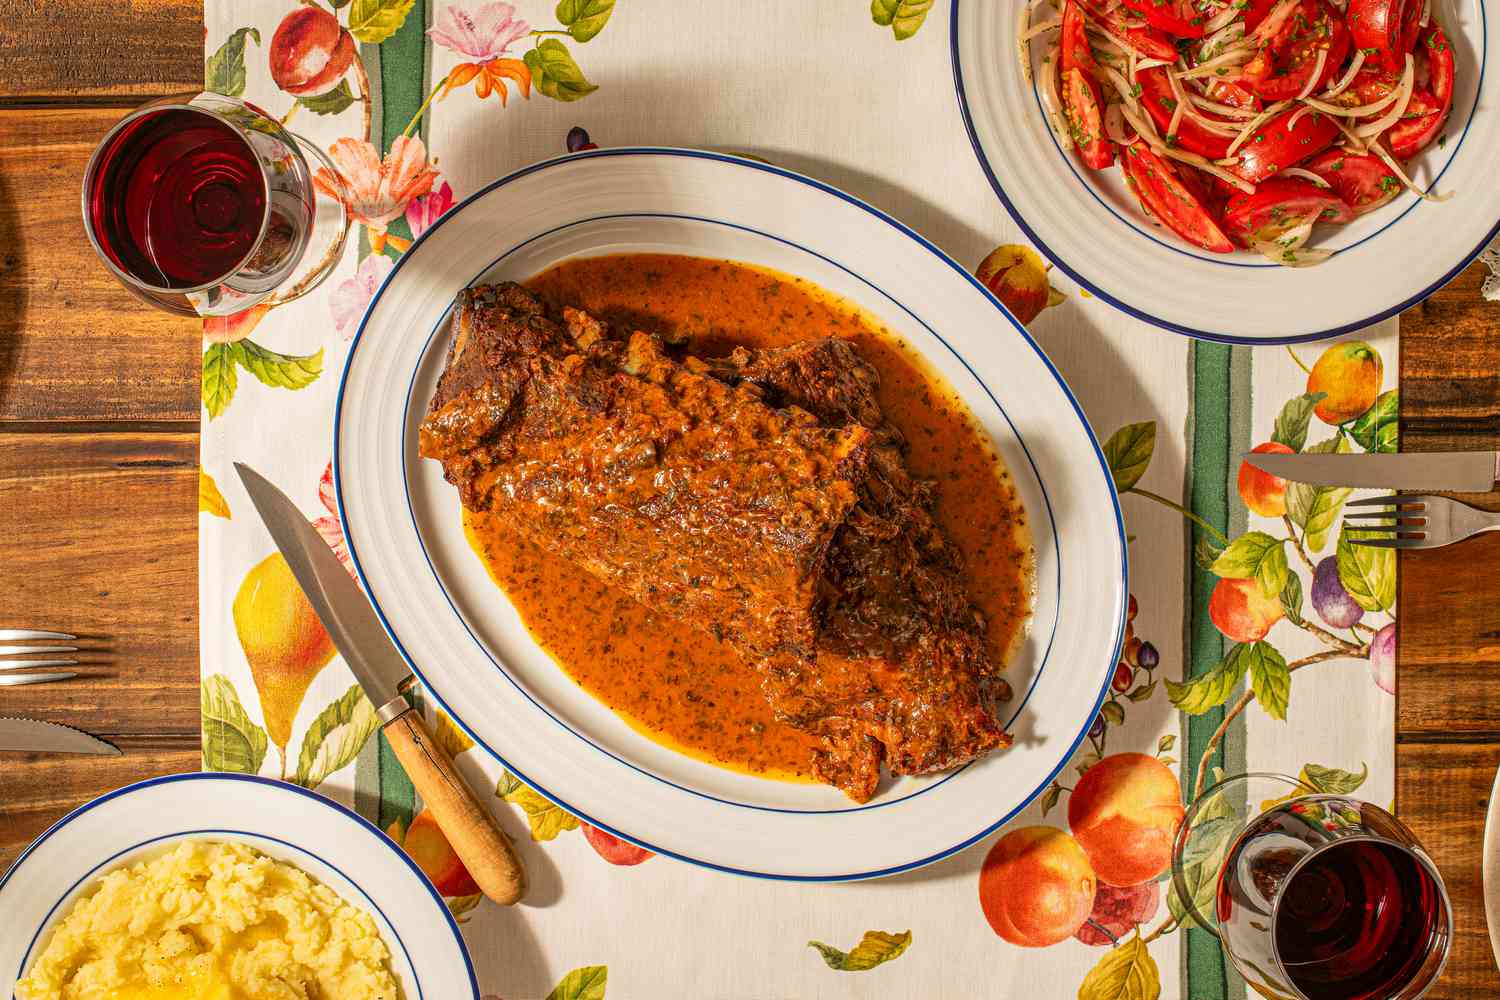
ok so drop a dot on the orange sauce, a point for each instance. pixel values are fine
(669, 680)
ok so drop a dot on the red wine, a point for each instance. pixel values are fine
(177, 200)
(1357, 921)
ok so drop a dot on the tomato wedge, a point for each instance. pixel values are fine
(1278, 206)
(1256, 11)
(1176, 17)
(1160, 103)
(1361, 180)
(1428, 111)
(1145, 39)
(1275, 146)
(1083, 104)
(1163, 195)
(1380, 27)
(1284, 67)
(1233, 95)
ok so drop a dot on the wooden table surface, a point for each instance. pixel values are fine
(99, 452)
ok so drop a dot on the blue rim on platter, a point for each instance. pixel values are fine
(756, 165)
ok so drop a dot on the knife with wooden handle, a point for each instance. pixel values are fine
(1452, 471)
(384, 674)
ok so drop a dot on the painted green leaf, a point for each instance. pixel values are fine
(1368, 574)
(1257, 555)
(1212, 689)
(336, 737)
(586, 983)
(1333, 781)
(219, 377)
(1316, 509)
(1292, 421)
(904, 17)
(546, 819)
(884, 11)
(1377, 428)
(1206, 552)
(1166, 743)
(1049, 800)
(1142, 692)
(210, 500)
(224, 71)
(1113, 713)
(1127, 972)
(1291, 599)
(231, 742)
(1202, 857)
(285, 371)
(875, 948)
(338, 4)
(1129, 452)
(373, 21)
(1269, 678)
(331, 103)
(555, 73)
(584, 18)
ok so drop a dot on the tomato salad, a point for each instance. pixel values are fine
(1245, 123)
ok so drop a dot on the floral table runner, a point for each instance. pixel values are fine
(1260, 638)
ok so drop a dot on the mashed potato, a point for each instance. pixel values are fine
(211, 921)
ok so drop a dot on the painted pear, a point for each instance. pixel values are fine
(283, 641)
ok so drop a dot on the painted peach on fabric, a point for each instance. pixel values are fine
(1124, 811)
(1242, 611)
(1036, 887)
(1262, 492)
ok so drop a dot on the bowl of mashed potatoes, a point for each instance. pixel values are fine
(224, 887)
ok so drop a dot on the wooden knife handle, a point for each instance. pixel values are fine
(482, 846)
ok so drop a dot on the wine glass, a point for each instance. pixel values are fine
(205, 205)
(1313, 896)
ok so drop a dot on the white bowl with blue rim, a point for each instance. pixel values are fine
(470, 647)
(322, 838)
(1093, 228)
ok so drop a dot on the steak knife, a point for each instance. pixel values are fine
(51, 737)
(1455, 471)
(384, 674)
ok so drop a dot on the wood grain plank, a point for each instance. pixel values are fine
(91, 49)
(39, 789)
(74, 345)
(1442, 793)
(1449, 598)
(100, 539)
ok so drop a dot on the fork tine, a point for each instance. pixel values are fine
(14, 680)
(9, 650)
(1400, 502)
(15, 664)
(10, 634)
(1382, 521)
(1389, 543)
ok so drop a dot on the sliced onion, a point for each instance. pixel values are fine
(1214, 41)
(1234, 57)
(1426, 13)
(1040, 29)
(1114, 126)
(1256, 123)
(1227, 16)
(1185, 107)
(1291, 122)
(1227, 110)
(1306, 175)
(1317, 74)
(1401, 175)
(1287, 249)
(1023, 29)
(1355, 144)
(1361, 111)
(1193, 159)
(1398, 107)
(1348, 77)
(1052, 101)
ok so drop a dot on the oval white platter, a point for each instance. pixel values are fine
(1093, 228)
(319, 836)
(472, 652)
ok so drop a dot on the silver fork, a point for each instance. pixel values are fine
(1416, 521)
(31, 643)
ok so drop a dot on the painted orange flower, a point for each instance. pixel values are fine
(375, 192)
(483, 35)
(490, 77)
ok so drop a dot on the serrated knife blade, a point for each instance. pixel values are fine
(51, 737)
(1459, 472)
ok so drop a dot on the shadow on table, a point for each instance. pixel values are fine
(12, 287)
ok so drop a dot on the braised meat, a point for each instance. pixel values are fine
(761, 497)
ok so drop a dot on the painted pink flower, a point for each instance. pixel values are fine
(376, 191)
(353, 295)
(329, 527)
(424, 211)
(484, 34)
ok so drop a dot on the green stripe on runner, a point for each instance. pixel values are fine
(398, 70)
(1218, 431)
